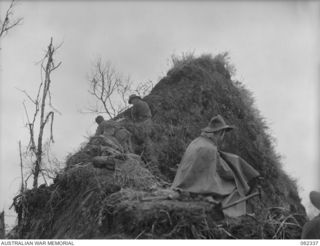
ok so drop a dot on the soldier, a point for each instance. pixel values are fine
(106, 128)
(112, 130)
(311, 229)
(140, 111)
(218, 176)
(142, 122)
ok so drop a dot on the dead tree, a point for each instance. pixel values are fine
(41, 118)
(8, 22)
(111, 90)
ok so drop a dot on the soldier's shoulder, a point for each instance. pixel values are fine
(141, 105)
(108, 123)
(103, 123)
(203, 143)
(142, 102)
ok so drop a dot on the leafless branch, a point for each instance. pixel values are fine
(144, 88)
(31, 145)
(9, 23)
(50, 114)
(50, 104)
(44, 178)
(55, 67)
(26, 111)
(28, 96)
(26, 181)
(105, 84)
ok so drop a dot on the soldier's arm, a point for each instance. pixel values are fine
(146, 110)
(99, 130)
(133, 109)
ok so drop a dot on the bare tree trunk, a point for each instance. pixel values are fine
(42, 100)
(2, 226)
(44, 119)
(21, 169)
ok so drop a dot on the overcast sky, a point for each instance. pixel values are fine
(274, 46)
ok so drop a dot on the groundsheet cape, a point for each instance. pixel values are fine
(205, 170)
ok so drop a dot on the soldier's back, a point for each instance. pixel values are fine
(141, 111)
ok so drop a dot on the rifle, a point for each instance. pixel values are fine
(257, 193)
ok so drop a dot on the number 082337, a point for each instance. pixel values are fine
(309, 242)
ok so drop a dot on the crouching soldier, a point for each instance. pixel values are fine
(115, 132)
(140, 112)
(141, 117)
(220, 177)
(142, 130)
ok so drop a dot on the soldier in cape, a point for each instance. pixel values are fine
(220, 177)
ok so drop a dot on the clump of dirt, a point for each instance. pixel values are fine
(89, 202)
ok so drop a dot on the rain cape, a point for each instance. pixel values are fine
(205, 170)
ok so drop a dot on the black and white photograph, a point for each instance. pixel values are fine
(159, 120)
